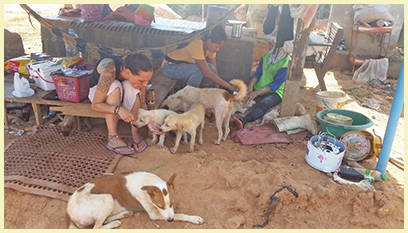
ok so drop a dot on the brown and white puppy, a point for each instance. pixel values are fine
(106, 199)
(71, 123)
(157, 115)
(186, 123)
(218, 100)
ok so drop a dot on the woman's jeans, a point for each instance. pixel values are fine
(189, 72)
(263, 104)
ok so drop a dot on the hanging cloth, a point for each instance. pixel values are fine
(285, 27)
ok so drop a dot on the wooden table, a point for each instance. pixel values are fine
(82, 109)
(161, 84)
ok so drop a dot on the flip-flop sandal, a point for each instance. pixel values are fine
(139, 150)
(116, 149)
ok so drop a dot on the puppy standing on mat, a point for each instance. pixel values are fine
(106, 199)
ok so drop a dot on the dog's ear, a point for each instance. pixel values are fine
(156, 195)
(170, 186)
(170, 182)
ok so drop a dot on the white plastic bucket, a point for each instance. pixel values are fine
(330, 100)
(322, 160)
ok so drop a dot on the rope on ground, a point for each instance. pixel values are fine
(274, 201)
(91, 47)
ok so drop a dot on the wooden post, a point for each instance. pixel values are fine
(6, 125)
(295, 71)
(37, 113)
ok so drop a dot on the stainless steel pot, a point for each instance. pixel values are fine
(236, 30)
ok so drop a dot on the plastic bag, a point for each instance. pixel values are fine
(372, 69)
(21, 87)
(18, 64)
(68, 61)
(367, 13)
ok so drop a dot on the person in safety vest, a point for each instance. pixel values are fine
(267, 84)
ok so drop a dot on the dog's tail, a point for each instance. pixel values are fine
(243, 89)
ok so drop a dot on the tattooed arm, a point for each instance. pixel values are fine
(106, 69)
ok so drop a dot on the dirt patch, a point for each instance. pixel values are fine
(230, 185)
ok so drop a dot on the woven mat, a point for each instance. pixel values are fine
(49, 164)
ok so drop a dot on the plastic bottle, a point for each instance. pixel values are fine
(72, 32)
(150, 96)
(358, 174)
(371, 175)
(350, 173)
(72, 52)
(75, 72)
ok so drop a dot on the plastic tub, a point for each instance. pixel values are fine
(360, 122)
(330, 100)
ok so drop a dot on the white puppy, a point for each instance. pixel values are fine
(157, 115)
(106, 199)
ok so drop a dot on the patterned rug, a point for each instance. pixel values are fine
(49, 164)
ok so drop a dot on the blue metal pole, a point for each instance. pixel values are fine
(392, 124)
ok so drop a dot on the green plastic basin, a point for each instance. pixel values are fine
(360, 122)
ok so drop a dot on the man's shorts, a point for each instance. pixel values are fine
(128, 93)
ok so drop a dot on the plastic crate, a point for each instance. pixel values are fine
(73, 89)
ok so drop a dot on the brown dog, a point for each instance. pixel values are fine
(104, 200)
(71, 123)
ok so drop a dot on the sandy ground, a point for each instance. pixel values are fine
(230, 185)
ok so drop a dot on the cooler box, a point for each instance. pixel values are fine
(41, 73)
(73, 89)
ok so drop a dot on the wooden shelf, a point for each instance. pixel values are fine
(364, 29)
(356, 59)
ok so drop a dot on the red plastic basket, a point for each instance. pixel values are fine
(73, 89)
